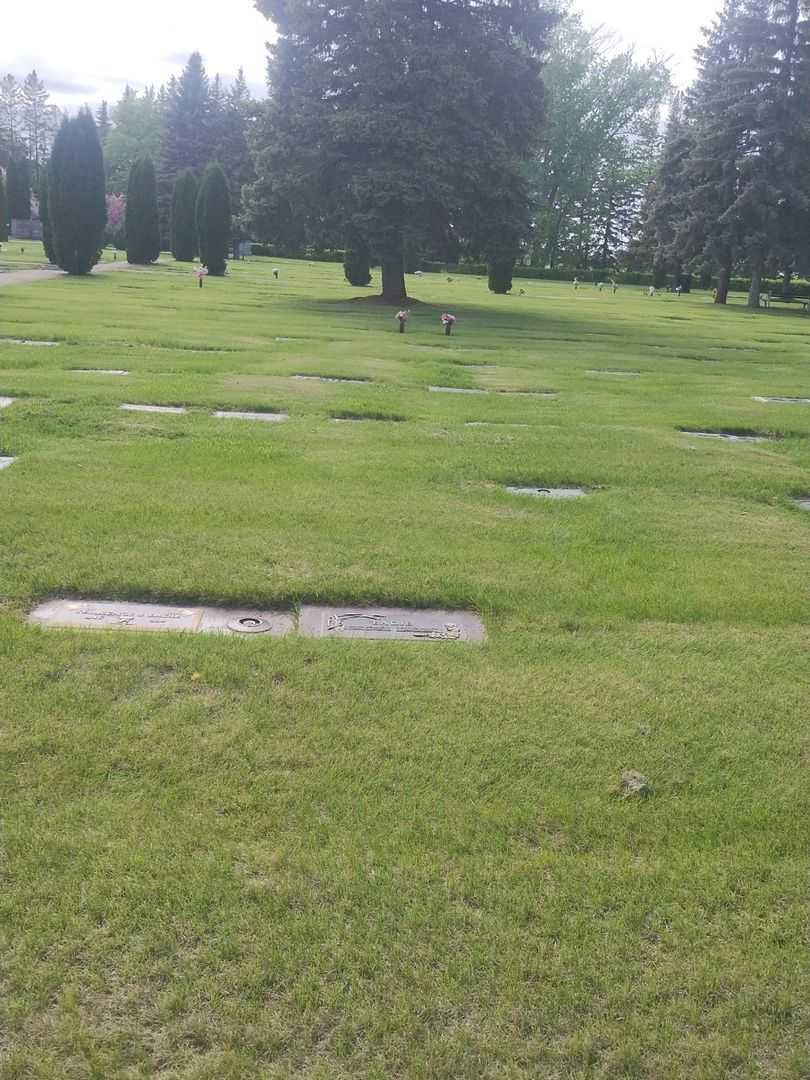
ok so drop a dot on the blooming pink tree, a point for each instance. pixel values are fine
(116, 210)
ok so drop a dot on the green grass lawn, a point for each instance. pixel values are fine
(30, 255)
(227, 858)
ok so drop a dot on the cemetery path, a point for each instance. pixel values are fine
(24, 277)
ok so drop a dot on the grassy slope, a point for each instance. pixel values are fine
(228, 859)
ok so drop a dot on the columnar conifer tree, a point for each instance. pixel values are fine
(78, 210)
(353, 127)
(184, 217)
(3, 208)
(214, 219)
(45, 217)
(142, 230)
(19, 190)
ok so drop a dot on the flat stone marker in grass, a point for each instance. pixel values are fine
(546, 492)
(125, 615)
(609, 371)
(391, 624)
(267, 417)
(6, 401)
(27, 341)
(98, 371)
(454, 390)
(127, 407)
(492, 423)
(530, 393)
(726, 436)
(783, 400)
(802, 501)
(6, 461)
(331, 378)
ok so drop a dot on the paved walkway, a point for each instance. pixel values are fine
(23, 277)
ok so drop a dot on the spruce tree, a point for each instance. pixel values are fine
(667, 198)
(353, 131)
(78, 210)
(3, 208)
(45, 217)
(187, 141)
(141, 223)
(214, 219)
(184, 217)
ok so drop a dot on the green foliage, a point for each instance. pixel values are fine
(352, 131)
(45, 218)
(18, 193)
(3, 208)
(137, 130)
(184, 242)
(214, 219)
(356, 267)
(500, 274)
(141, 225)
(78, 210)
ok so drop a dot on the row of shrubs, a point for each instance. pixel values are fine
(799, 288)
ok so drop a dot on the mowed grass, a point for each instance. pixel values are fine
(230, 859)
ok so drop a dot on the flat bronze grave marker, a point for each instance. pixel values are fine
(454, 390)
(127, 407)
(547, 492)
(609, 371)
(6, 401)
(26, 341)
(391, 624)
(267, 417)
(98, 371)
(783, 400)
(6, 461)
(726, 436)
(331, 378)
(125, 615)
(530, 393)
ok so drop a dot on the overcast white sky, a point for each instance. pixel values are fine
(88, 50)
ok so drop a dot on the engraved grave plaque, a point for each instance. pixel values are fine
(330, 378)
(244, 621)
(127, 407)
(724, 435)
(455, 390)
(391, 624)
(99, 371)
(268, 417)
(124, 615)
(547, 492)
(783, 400)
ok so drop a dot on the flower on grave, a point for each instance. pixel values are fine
(448, 318)
(402, 316)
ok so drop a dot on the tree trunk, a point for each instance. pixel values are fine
(756, 282)
(787, 274)
(393, 280)
(721, 295)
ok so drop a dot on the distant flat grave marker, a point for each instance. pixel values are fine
(267, 417)
(391, 624)
(125, 615)
(783, 400)
(531, 393)
(6, 461)
(99, 371)
(491, 423)
(27, 341)
(802, 501)
(6, 401)
(726, 436)
(609, 371)
(127, 407)
(330, 378)
(546, 492)
(455, 390)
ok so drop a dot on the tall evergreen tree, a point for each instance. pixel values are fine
(19, 190)
(3, 208)
(352, 128)
(103, 123)
(142, 229)
(36, 122)
(78, 210)
(184, 217)
(187, 138)
(10, 116)
(45, 217)
(214, 219)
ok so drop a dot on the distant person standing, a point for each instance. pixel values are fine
(202, 272)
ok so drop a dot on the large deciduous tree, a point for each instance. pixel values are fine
(184, 217)
(214, 219)
(137, 126)
(141, 227)
(394, 116)
(78, 211)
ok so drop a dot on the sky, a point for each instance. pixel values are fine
(85, 53)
